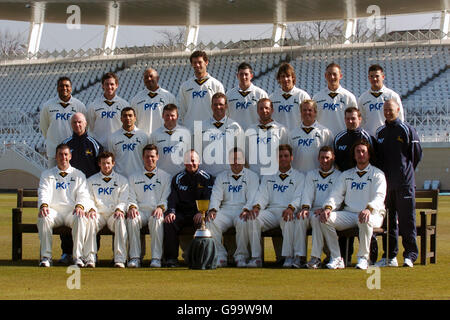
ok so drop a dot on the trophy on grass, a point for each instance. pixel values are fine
(202, 250)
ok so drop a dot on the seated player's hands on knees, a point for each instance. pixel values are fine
(254, 213)
(318, 212)
(118, 214)
(303, 214)
(43, 212)
(244, 215)
(211, 215)
(158, 213)
(78, 211)
(132, 213)
(288, 214)
(324, 215)
(91, 214)
(170, 218)
(364, 216)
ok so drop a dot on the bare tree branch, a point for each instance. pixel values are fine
(11, 43)
(171, 38)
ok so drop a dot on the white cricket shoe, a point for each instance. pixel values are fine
(408, 263)
(387, 263)
(156, 263)
(45, 262)
(362, 264)
(240, 263)
(119, 265)
(79, 263)
(288, 261)
(254, 263)
(336, 263)
(222, 262)
(134, 263)
(90, 264)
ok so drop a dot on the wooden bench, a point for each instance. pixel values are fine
(426, 204)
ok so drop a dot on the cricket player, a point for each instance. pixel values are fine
(362, 191)
(263, 139)
(127, 144)
(150, 102)
(371, 102)
(63, 199)
(194, 97)
(287, 98)
(333, 100)
(147, 202)
(277, 199)
(109, 193)
(103, 114)
(307, 138)
(219, 135)
(232, 194)
(172, 140)
(318, 184)
(399, 154)
(243, 99)
(55, 117)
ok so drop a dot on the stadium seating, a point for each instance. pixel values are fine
(418, 73)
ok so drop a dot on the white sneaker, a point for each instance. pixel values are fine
(387, 263)
(156, 263)
(336, 263)
(45, 262)
(90, 264)
(134, 263)
(119, 265)
(288, 262)
(408, 263)
(254, 263)
(362, 264)
(222, 262)
(79, 263)
(240, 263)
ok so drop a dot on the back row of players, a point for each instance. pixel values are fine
(290, 111)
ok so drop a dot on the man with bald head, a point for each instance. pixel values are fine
(399, 152)
(150, 102)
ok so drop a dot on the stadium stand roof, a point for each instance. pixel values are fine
(213, 12)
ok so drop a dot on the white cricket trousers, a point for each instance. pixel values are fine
(266, 220)
(225, 219)
(59, 218)
(341, 220)
(116, 225)
(155, 227)
(294, 243)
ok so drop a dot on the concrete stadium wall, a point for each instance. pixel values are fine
(435, 165)
(14, 179)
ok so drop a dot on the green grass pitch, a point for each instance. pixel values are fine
(24, 280)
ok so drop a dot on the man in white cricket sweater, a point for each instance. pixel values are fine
(194, 96)
(371, 102)
(333, 100)
(55, 117)
(307, 138)
(263, 139)
(277, 199)
(219, 135)
(127, 144)
(232, 195)
(243, 99)
(363, 190)
(103, 114)
(318, 185)
(147, 201)
(109, 193)
(149, 103)
(287, 98)
(172, 140)
(63, 199)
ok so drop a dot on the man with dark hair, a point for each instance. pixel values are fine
(187, 186)
(127, 144)
(63, 199)
(172, 140)
(371, 102)
(362, 191)
(275, 203)
(55, 116)
(399, 153)
(147, 202)
(287, 98)
(194, 97)
(243, 99)
(103, 114)
(149, 103)
(333, 100)
(343, 142)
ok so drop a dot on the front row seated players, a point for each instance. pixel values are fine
(62, 199)
(231, 196)
(362, 190)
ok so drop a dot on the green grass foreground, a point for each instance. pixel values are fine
(25, 280)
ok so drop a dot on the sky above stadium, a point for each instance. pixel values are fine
(59, 37)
